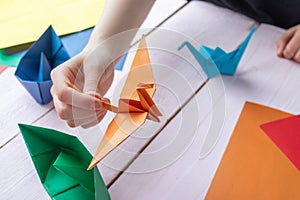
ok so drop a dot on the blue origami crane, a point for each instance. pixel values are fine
(216, 61)
(35, 66)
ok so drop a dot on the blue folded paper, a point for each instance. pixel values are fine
(35, 66)
(44, 55)
(216, 61)
(75, 43)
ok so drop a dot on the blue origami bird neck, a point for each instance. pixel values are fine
(203, 58)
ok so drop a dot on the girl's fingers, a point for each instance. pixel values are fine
(283, 41)
(77, 99)
(297, 56)
(67, 112)
(293, 46)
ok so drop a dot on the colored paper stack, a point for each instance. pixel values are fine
(262, 160)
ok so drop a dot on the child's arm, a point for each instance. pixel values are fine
(288, 44)
(89, 70)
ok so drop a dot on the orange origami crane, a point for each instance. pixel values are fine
(135, 104)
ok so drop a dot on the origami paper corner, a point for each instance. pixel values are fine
(2, 68)
(60, 161)
(252, 167)
(35, 66)
(285, 133)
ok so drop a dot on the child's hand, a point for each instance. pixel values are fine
(91, 74)
(92, 70)
(288, 45)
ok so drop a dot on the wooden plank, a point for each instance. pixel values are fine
(16, 103)
(160, 11)
(184, 71)
(18, 180)
(188, 80)
(175, 72)
(261, 78)
(15, 106)
(18, 177)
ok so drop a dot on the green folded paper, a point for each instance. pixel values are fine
(9, 60)
(61, 161)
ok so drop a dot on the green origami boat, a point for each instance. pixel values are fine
(61, 161)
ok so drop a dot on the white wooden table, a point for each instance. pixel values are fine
(164, 160)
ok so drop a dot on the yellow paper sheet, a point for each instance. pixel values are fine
(24, 21)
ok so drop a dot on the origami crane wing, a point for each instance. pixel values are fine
(34, 69)
(140, 72)
(60, 161)
(120, 128)
(228, 62)
(133, 93)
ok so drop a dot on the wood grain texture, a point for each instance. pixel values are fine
(16, 102)
(180, 75)
(161, 11)
(16, 105)
(163, 52)
(18, 180)
(261, 77)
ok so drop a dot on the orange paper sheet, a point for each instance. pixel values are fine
(253, 167)
(135, 104)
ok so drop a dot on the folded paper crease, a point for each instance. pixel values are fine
(135, 104)
(216, 61)
(61, 161)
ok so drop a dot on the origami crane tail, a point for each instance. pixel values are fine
(237, 54)
(184, 44)
(93, 163)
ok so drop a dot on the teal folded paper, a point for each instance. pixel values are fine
(216, 61)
